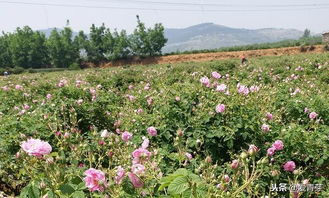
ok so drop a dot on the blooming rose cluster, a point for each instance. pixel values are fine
(276, 146)
(220, 108)
(242, 89)
(140, 156)
(95, 180)
(36, 147)
(289, 166)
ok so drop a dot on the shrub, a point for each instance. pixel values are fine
(303, 48)
(311, 48)
(18, 70)
(181, 130)
(326, 47)
(74, 66)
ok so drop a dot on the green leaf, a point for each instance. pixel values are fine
(178, 186)
(33, 192)
(128, 186)
(78, 194)
(76, 180)
(188, 194)
(181, 171)
(24, 192)
(51, 194)
(194, 178)
(66, 189)
(81, 186)
(320, 162)
(166, 181)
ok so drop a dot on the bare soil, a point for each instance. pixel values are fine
(202, 57)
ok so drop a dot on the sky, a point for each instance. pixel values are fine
(121, 14)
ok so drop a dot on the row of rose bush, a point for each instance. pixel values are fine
(214, 111)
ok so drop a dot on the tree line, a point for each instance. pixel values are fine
(26, 48)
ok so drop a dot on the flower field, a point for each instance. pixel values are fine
(212, 129)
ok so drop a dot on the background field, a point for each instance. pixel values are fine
(172, 99)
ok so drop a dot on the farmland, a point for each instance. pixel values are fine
(195, 129)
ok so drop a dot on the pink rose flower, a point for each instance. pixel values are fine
(138, 169)
(254, 88)
(265, 128)
(126, 136)
(5, 88)
(220, 108)
(135, 180)
(216, 75)
(227, 178)
(36, 147)
(253, 149)
(235, 164)
(131, 98)
(313, 115)
(95, 180)
(105, 134)
(120, 175)
(139, 111)
(49, 96)
(26, 107)
(189, 156)
(78, 83)
(66, 135)
(117, 123)
(271, 151)
(62, 83)
(147, 86)
(289, 166)
(152, 131)
(92, 91)
(149, 101)
(278, 145)
(205, 81)
(221, 88)
(141, 152)
(243, 89)
(79, 102)
(269, 116)
(145, 143)
(17, 155)
(306, 181)
(18, 87)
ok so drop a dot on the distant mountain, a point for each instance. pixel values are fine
(211, 36)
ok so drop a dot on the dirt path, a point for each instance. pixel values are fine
(202, 57)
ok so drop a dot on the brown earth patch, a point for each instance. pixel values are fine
(202, 57)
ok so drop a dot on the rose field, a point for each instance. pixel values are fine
(211, 129)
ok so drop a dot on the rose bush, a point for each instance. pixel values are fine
(213, 129)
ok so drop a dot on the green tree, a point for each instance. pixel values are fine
(81, 41)
(121, 45)
(157, 39)
(307, 33)
(147, 42)
(140, 43)
(96, 46)
(5, 53)
(28, 48)
(63, 51)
